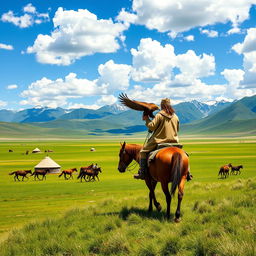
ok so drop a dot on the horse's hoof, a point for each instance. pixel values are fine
(159, 208)
(177, 220)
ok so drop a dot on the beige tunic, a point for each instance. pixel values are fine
(165, 130)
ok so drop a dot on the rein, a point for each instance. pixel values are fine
(131, 167)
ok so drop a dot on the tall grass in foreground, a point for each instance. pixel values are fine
(213, 226)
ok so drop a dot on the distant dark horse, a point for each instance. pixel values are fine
(90, 174)
(83, 170)
(236, 169)
(171, 164)
(22, 173)
(224, 171)
(38, 173)
(68, 172)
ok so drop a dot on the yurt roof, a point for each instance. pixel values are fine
(47, 162)
(36, 149)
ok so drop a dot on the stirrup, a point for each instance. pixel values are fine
(139, 176)
(189, 177)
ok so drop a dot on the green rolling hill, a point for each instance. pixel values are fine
(237, 118)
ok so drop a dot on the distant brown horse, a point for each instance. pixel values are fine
(40, 172)
(224, 171)
(236, 169)
(90, 174)
(83, 171)
(68, 172)
(22, 173)
(171, 164)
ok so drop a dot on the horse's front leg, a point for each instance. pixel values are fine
(151, 184)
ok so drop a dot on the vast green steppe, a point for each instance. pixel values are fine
(112, 212)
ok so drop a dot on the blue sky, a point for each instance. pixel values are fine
(74, 54)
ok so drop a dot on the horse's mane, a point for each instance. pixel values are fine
(133, 149)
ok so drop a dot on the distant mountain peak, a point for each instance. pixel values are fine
(218, 102)
(113, 108)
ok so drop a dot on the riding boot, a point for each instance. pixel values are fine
(142, 171)
(189, 176)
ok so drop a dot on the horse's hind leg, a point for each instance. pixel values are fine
(168, 198)
(180, 196)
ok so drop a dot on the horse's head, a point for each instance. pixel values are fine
(74, 169)
(229, 165)
(29, 171)
(124, 158)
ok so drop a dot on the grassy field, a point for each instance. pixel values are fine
(112, 212)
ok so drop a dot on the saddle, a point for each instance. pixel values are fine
(152, 154)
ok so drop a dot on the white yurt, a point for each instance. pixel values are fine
(48, 163)
(36, 150)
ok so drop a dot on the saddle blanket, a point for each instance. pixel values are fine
(152, 154)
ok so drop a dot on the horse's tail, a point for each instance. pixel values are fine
(60, 174)
(176, 168)
(11, 173)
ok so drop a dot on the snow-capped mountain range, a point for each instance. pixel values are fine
(187, 111)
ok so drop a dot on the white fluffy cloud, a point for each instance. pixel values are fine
(77, 34)
(234, 30)
(114, 76)
(30, 17)
(234, 77)
(6, 47)
(209, 33)
(29, 8)
(152, 61)
(182, 15)
(53, 93)
(189, 38)
(196, 90)
(177, 76)
(80, 105)
(12, 86)
(249, 43)
(3, 103)
(106, 100)
(248, 49)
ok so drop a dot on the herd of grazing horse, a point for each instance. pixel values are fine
(171, 164)
(224, 170)
(88, 173)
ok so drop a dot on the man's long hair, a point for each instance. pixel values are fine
(167, 108)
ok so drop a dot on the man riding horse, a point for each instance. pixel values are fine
(164, 128)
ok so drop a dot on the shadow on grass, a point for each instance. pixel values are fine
(126, 212)
(143, 213)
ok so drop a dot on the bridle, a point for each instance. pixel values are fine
(130, 167)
